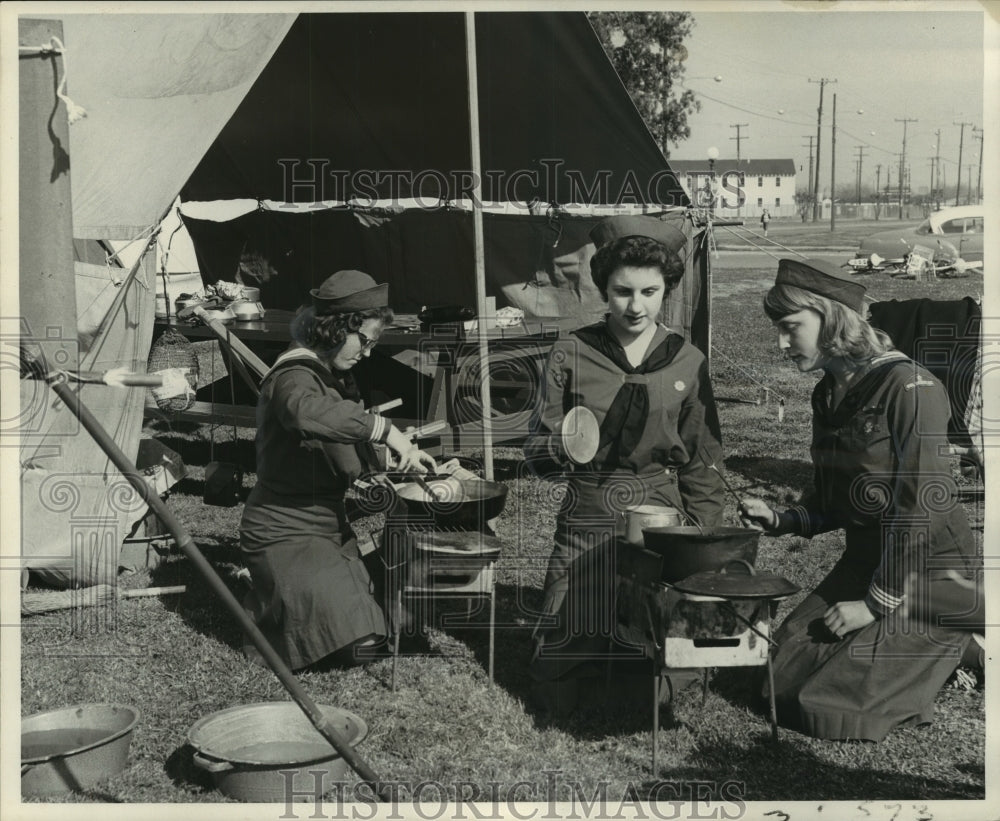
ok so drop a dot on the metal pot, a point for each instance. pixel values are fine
(641, 516)
(461, 504)
(688, 550)
(270, 752)
(74, 748)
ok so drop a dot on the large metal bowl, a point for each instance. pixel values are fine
(688, 550)
(74, 748)
(460, 504)
(249, 748)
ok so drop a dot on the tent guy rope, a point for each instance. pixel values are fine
(74, 112)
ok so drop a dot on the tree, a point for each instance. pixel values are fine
(647, 51)
(803, 203)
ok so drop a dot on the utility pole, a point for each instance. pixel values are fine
(738, 126)
(961, 140)
(902, 161)
(978, 134)
(809, 181)
(936, 187)
(968, 194)
(833, 165)
(932, 159)
(819, 126)
(878, 191)
(861, 157)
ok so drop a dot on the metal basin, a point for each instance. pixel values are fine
(74, 748)
(686, 550)
(247, 748)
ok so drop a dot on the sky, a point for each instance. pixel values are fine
(925, 66)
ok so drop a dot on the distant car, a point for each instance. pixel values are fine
(960, 226)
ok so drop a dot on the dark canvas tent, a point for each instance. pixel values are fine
(352, 150)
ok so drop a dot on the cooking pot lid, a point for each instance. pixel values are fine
(580, 434)
(737, 580)
(457, 544)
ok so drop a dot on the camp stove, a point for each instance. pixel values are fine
(441, 559)
(678, 629)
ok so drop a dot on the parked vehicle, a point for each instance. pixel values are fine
(960, 227)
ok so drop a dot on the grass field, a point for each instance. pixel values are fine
(178, 658)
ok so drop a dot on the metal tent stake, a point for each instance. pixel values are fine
(323, 725)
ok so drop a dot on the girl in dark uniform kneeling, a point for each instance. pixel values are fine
(313, 597)
(848, 666)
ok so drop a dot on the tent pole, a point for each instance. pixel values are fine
(477, 224)
(186, 544)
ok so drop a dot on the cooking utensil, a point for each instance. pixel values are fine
(248, 748)
(688, 550)
(460, 504)
(430, 491)
(74, 747)
(640, 516)
(744, 583)
(711, 466)
(580, 434)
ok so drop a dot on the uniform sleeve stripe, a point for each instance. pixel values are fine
(379, 428)
(884, 598)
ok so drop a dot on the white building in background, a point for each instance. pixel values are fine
(744, 188)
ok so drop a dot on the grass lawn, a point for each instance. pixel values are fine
(178, 658)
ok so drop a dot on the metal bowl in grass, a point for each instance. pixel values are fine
(75, 747)
(689, 550)
(270, 752)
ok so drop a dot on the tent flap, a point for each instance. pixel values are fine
(157, 89)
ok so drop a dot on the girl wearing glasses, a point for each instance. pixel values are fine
(313, 597)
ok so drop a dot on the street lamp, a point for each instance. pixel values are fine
(713, 155)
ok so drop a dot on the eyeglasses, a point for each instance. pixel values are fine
(366, 343)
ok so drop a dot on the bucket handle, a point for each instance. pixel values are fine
(211, 765)
(743, 562)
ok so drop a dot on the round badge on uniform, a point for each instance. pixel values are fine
(679, 385)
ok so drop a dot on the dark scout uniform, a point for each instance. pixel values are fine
(882, 474)
(314, 595)
(658, 421)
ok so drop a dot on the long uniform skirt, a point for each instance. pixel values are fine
(578, 618)
(313, 593)
(863, 685)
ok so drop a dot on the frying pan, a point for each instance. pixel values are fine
(461, 504)
(730, 583)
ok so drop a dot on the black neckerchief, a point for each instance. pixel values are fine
(857, 394)
(347, 388)
(626, 418)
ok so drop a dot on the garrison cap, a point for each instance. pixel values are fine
(823, 278)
